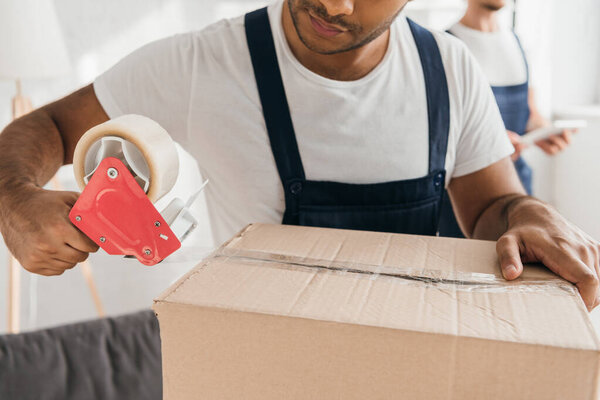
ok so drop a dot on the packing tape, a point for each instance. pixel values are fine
(451, 280)
(140, 143)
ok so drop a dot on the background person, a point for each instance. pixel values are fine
(499, 53)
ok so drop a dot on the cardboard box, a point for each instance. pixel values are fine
(285, 312)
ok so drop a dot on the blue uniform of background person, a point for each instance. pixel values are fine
(513, 102)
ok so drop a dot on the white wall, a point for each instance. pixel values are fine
(576, 183)
(561, 37)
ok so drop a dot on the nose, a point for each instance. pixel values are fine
(338, 7)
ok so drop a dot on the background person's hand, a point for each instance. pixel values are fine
(519, 146)
(538, 233)
(37, 231)
(556, 143)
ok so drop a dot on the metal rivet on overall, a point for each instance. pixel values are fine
(296, 187)
(112, 173)
(438, 179)
(147, 252)
(157, 224)
(78, 218)
(102, 239)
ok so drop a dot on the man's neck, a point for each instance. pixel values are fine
(480, 18)
(347, 66)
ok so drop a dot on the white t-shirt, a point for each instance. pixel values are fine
(200, 87)
(498, 53)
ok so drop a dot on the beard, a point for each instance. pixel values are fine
(357, 32)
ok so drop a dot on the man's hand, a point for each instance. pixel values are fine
(491, 204)
(556, 143)
(39, 234)
(33, 221)
(519, 146)
(537, 233)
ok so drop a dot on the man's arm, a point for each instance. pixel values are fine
(34, 222)
(491, 204)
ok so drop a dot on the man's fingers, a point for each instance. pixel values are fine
(588, 289)
(70, 255)
(79, 241)
(573, 269)
(594, 260)
(559, 142)
(70, 198)
(555, 143)
(509, 254)
(50, 267)
(596, 303)
(547, 147)
(61, 265)
(54, 253)
(48, 272)
(567, 136)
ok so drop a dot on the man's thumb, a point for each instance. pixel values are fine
(509, 255)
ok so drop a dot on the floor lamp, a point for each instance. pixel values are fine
(32, 47)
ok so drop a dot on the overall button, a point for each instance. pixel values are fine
(296, 188)
(437, 181)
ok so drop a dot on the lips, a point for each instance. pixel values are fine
(323, 28)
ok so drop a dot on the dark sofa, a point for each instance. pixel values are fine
(110, 358)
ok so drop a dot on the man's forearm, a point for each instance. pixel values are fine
(495, 220)
(32, 152)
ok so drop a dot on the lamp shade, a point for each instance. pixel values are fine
(31, 42)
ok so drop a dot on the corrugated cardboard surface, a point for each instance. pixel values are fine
(292, 312)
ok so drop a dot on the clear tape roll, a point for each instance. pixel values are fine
(140, 143)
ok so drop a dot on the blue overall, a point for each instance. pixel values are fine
(408, 206)
(514, 109)
(513, 102)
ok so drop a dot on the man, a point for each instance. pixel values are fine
(330, 113)
(502, 59)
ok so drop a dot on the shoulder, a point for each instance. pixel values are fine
(459, 64)
(224, 32)
(218, 42)
(452, 49)
(467, 86)
(458, 60)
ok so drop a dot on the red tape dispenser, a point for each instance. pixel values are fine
(123, 166)
(115, 212)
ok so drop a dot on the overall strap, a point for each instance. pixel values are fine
(272, 96)
(438, 102)
(523, 53)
